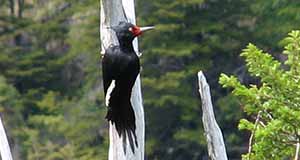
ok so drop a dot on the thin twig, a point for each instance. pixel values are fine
(253, 132)
(268, 114)
(262, 123)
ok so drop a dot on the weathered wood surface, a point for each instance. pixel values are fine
(4, 146)
(112, 12)
(213, 134)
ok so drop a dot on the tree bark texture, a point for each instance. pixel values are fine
(112, 12)
(213, 134)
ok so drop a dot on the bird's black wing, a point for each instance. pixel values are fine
(107, 63)
(120, 111)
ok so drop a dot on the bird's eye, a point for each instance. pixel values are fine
(130, 29)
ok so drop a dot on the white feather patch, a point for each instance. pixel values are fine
(109, 90)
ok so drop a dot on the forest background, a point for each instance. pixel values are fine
(51, 95)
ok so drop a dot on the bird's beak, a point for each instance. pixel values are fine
(137, 31)
(144, 29)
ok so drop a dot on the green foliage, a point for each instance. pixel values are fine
(54, 111)
(275, 101)
(201, 35)
(10, 105)
(268, 29)
(184, 42)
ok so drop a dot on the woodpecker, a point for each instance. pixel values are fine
(120, 68)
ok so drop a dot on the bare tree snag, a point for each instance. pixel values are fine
(112, 12)
(214, 137)
(4, 146)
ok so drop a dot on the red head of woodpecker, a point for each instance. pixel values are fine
(126, 32)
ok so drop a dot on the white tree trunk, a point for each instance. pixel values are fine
(112, 12)
(4, 146)
(214, 137)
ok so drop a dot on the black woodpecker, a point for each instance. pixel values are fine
(120, 67)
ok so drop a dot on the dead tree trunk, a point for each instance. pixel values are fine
(4, 146)
(112, 12)
(214, 137)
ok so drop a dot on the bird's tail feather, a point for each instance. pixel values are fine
(121, 114)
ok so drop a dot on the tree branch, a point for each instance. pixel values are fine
(253, 133)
